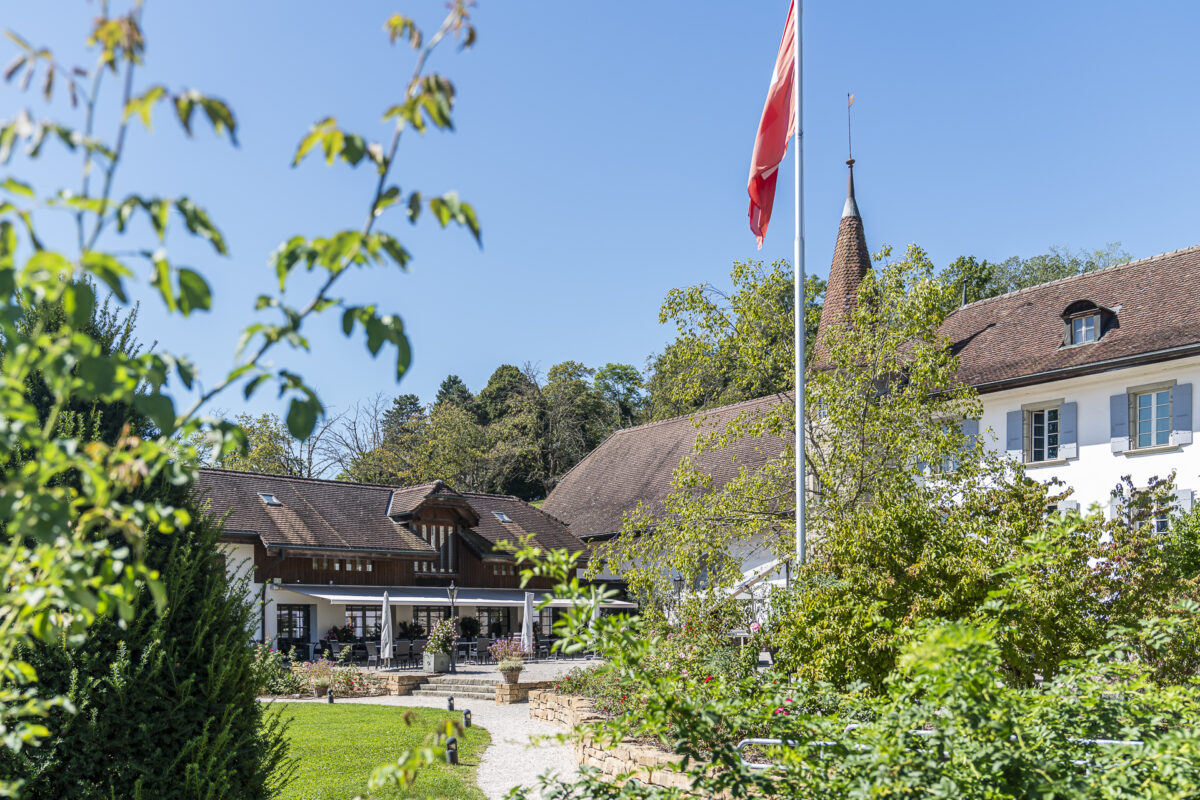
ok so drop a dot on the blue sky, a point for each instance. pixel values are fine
(605, 147)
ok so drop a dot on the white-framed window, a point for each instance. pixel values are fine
(1085, 329)
(1162, 523)
(1151, 417)
(1042, 434)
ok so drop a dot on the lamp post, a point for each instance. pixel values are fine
(678, 581)
(452, 593)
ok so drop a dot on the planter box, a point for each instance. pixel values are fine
(435, 662)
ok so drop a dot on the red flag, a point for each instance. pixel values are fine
(775, 130)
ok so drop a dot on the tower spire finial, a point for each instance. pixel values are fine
(851, 207)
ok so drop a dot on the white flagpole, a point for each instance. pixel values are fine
(798, 299)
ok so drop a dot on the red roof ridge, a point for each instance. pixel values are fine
(1055, 282)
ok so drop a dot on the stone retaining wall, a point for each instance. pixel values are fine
(402, 684)
(507, 693)
(649, 765)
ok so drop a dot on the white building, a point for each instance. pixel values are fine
(1085, 380)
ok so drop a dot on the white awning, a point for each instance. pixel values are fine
(428, 596)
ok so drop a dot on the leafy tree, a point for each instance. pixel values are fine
(575, 420)
(505, 390)
(623, 389)
(455, 449)
(271, 448)
(76, 512)
(882, 395)
(453, 390)
(731, 345)
(971, 279)
(378, 442)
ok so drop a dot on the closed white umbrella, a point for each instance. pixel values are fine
(385, 633)
(527, 626)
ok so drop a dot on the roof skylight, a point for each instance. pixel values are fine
(269, 499)
(500, 515)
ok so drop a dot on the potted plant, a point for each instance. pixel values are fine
(437, 650)
(470, 627)
(510, 658)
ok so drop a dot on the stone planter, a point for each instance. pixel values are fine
(320, 690)
(435, 662)
(511, 675)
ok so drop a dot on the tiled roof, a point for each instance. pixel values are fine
(1017, 338)
(548, 531)
(636, 464)
(342, 515)
(851, 262)
(312, 513)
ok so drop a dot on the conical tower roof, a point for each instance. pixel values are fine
(851, 262)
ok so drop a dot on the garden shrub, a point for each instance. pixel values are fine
(273, 671)
(164, 707)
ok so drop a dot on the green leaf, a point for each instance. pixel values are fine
(397, 25)
(17, 187)
(302, 416)
(332, 143)
(194, 292)
(394, 249)
(197, 222)
(414, 207)
(315, 135)
(185, 105)
(221, 117)
(354, 149)
(159, 408)
(143, 104)
(108, 270)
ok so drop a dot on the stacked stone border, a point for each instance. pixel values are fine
(649, 765)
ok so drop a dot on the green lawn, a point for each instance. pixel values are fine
(337, 746)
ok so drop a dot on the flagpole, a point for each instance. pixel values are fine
(798, 299)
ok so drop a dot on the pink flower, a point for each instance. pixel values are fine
(787, 699)
(781, 710)
(755, 627)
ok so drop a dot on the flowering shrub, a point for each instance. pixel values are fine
(441, 637)
(340, 633)
(346, 680)
(509, 653)
(272, 674)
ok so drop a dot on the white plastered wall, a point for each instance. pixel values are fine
(1096, 471)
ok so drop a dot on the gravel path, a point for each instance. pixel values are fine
(516, 757)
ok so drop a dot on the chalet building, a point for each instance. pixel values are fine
(1085, 379)
(315, 553)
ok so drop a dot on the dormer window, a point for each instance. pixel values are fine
(1084, 329)
(269, 499)
(500, 515)
(1087, 322)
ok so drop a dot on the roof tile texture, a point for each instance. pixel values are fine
(637, 464)
(1018, 335)
(342, 515)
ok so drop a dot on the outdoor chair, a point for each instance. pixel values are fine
(418, 650)
(482, 643)
(372, 655)
(401, 651)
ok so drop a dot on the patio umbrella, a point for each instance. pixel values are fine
(527, 626)
(385, 632)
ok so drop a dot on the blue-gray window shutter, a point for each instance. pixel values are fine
(1118, 422)
(1181, 414)
(1183, 500)
(1068, 431)
(1013, 441)
(970, 429)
